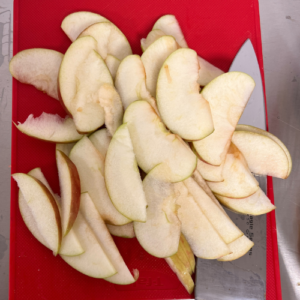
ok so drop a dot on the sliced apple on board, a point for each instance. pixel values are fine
(122, 177)
(94, 220)
(44, 210)
(65, 148)
(160, 234)
(112, 64)
(182, 256)
(256, 204)
(153, 59)
(188, 252)
(264, 155)
(101, 140)
(152, 36)
(124, 231)
(74, 24)
(90, 166)
(51, 128)
(238, 248)
(238, 180)
(154, 144)
(131, 81)
(38, 67)
(227, 95)
(184, 111)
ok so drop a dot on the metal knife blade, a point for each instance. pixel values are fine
(244, 278)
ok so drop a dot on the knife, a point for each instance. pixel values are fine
(244, 278)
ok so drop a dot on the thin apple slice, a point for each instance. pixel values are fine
(69, 182)
(92, 217)
(94, 262)
(256, 204)
(154, 144)
(112, 64)
(202, 237)
(153, 59)
(238, 248)
(70, 245)
(51, 128)
(184, 111)
(152, 36)
(43, 208)
(90, 166)
(227, 230)
(65, 148)
(101, 140)
(238, 180)
(160, 234)
(188, 252)
(122, 177)
(125, 231)
(227, 95)
(179, 269)
(110, 40)
(263, 154)
(75, 23)
(131, 81)
(181, 255)
(38, 67)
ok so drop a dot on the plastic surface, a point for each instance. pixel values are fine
(216, 30)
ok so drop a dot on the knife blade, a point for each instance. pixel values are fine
(244, 278)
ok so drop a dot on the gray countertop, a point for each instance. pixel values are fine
(281, 47)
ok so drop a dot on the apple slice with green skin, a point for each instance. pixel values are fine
(202, 237)
(238, 180)
(184, 111)
(131, 81)
(124, 231)
(101, 140)
(227, 95)
(160, 234)
(154, 144)
(65, 148)
(110, 40)
(112, 64)
(153, 59)
(75, 23)
(256, 204)
(122, 177)
(51, 128)
(94, 220)
(152, 36)
(90, 166)
(69, 182)
(38, 67)
(43, 208)
(179, 269)
(227, 230)
(238, 248)
(188, 252)
(263, 154)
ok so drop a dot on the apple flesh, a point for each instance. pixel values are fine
(188, 252)
(112, 64)
(152, 36)
(65, 148)
(101, 140)
(38, 67)
(124, 231)
(210, 172)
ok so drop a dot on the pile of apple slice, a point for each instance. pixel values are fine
(165, 159)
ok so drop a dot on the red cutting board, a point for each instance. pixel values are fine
(216, 29)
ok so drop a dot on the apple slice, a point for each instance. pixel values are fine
(101, 140)
(75, 23)
(256, 204)
(202, 237)
(184, 111)
(263, 154)
(227, 230)
(188, 252)
(70, 190)
(122, 177)
(153, 59)
(152, 36)
(90, 166)
(112, 64)
(238, 248)
(227, 95)
(160, 234)
(238, 180)
(154, 144)
(43, 208)
(51, 128)
(38, 67)
(131, 81)
(110, 40)
(65, 148)
(94, 262)
(181, 255)
(94, 220)
(125, 231)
